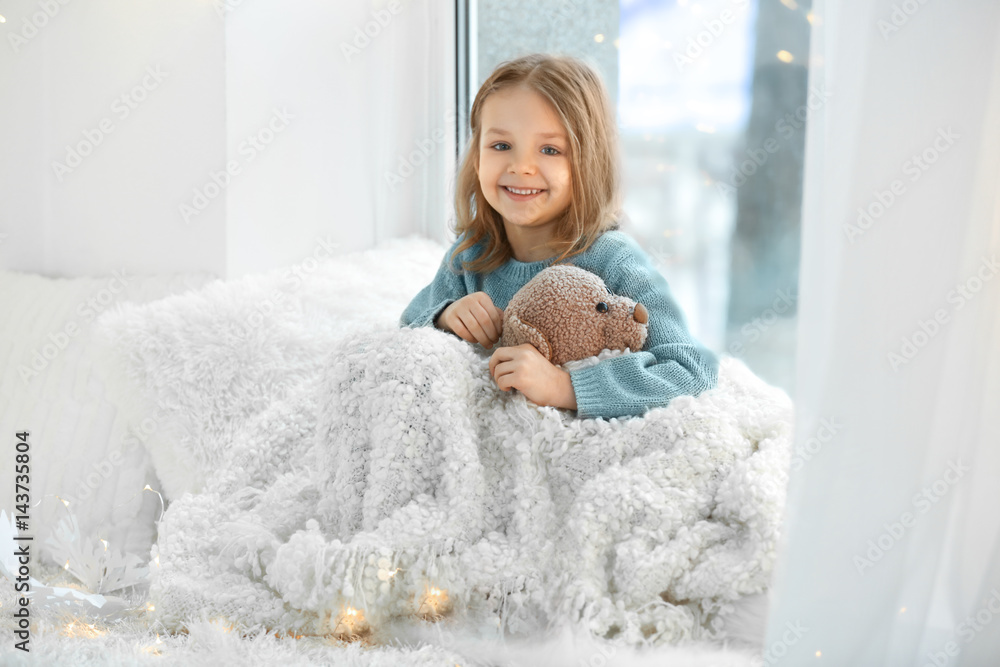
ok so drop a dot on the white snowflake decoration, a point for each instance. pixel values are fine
(97, 565)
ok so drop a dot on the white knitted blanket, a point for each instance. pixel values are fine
(402, 466)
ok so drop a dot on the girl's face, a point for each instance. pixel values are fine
(523, 145)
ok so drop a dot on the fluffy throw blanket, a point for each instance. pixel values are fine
(401, 468)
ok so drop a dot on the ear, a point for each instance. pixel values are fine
(516, 332)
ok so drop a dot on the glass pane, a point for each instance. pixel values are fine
(711, 102)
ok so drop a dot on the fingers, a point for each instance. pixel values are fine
(494, 360)
(472, 325)
(487, 323)
(462, 332)
(502, 372)
(502, 355)
(475, 319)
(482, 320)
(489, 316)
(498, 320)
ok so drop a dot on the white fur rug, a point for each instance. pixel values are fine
(61, 640)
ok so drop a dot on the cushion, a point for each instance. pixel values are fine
(196, 367)
(84, 449)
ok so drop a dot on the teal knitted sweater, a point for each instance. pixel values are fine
(671, 363)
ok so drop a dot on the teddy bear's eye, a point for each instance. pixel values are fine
(602, 307)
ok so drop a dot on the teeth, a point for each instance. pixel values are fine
(522, 192)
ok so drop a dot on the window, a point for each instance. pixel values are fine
(711, 100)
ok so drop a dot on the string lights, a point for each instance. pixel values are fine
(351, 626)
(434, 605)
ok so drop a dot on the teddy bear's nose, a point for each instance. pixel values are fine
(640, 314)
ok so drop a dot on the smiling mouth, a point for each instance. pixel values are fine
(521, 194)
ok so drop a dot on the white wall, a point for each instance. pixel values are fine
(355, 111)
(155, 197)
(118, 207)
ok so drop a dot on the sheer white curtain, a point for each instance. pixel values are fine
(409, 98)
(890, 551)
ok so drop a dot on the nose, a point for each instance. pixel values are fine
(521, 163)
(640, 314)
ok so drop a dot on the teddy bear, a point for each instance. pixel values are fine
(568, 314)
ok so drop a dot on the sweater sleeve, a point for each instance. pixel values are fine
(448, 286)
(672, 363)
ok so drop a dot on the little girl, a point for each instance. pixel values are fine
(540, 185)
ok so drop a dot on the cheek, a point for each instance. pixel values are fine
(561, 177)
(487, 174)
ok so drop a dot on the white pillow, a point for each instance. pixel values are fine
(200, 365)
(83, 449)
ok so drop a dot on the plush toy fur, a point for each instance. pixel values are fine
(568, 313)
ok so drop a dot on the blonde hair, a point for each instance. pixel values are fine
(581, 100)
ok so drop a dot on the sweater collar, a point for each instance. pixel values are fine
(521, 272)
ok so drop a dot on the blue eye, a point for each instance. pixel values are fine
(504, 143)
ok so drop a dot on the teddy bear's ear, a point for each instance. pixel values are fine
(516, 332)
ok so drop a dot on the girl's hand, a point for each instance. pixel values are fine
(473, 318)
(524, 368)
